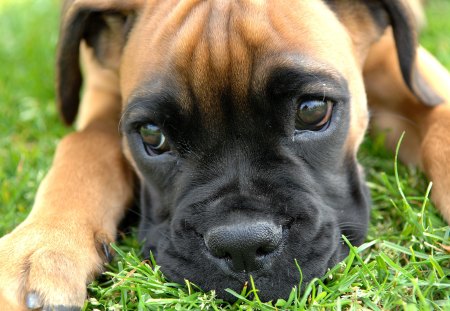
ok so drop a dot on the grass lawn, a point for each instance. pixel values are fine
(402, 265)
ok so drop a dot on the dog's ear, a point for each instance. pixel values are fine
(404, 23)
(103, 25)
(404, 28)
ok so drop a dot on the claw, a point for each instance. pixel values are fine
(102, 246)
(33, 301)
(106, 251)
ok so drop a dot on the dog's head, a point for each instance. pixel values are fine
(242, 119)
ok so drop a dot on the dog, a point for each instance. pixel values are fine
(239, 124)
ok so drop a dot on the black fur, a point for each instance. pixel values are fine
(248, 166)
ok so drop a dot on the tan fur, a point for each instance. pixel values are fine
(273, 29)
(208, 44)
(103, 90)
(77, 207)
(395, 109)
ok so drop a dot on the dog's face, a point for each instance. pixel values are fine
(243, 119)
(238, 121)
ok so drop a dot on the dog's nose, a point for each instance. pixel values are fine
(245, 246)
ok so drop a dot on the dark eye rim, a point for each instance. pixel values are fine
(328, 116)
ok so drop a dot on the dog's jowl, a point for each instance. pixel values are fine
(239, 126)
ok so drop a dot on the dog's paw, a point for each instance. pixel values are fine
(47, 266)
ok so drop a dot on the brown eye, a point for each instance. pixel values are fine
(154, 140)
(313, 115)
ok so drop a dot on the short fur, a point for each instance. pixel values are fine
(222, 79)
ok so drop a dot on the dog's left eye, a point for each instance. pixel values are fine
(154, 140)
(313, 115)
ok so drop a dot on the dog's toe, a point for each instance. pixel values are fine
(47, 268)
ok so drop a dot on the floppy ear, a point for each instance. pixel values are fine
(405, 34)
(398, 15)
(103, 25)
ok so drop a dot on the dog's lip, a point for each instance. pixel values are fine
(240, 278)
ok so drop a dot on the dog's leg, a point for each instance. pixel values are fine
(395, 109)
(49, 258)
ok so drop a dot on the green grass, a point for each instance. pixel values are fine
(29, 126)
(402, 266)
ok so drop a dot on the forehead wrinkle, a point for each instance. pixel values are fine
(173, 18)
(240, 69)
(205, 84)
(150, 42)
(211, 47)
(182, 52)
(218, 36)
(248, 37)
(210, 62)
(252, 23)
(188, 32)
(234, 35)
(200, 79)
(220, 59)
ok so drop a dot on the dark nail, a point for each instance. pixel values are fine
(107, 252)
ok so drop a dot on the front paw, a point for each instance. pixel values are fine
(47, 266)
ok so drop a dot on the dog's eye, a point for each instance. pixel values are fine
(154, 140)
(313, 115)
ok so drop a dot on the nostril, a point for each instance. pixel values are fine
(221, 255)
(265, 250)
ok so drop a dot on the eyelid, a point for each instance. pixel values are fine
(318, 97)
(132, 119)
(140, 111)
(324, 89)
(320, 81)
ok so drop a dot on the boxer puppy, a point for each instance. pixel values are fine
(242, 120)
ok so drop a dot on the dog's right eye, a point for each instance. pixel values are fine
(313, 115)
(154, 140)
